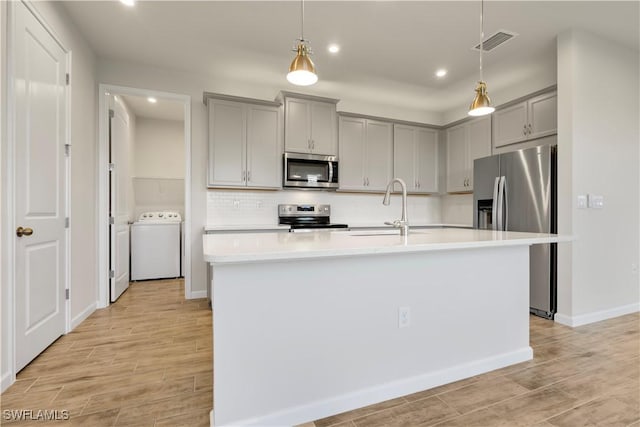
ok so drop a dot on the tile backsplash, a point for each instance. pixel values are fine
(261, 207)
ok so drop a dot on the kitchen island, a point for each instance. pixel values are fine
(307, 325)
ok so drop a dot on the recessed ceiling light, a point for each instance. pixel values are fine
(152, 100)
(128, 2)
(334, 48)
(441, 73)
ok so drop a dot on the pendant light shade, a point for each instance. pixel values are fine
(481, 104)
(302, 72)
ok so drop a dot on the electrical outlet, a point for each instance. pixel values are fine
(404, 317)
(236, 203)
(259, 204)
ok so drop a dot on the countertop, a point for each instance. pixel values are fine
(267, 227)
(274, 246)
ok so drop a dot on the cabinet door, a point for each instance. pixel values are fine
(543, 115)
(479, 144)
(323, 128)
(404, 155)
(297, 137)
(227, 136)
(378, 154)
(351, 158)
(427, 160)
(457, 158)
(264, 149)
(510, 125)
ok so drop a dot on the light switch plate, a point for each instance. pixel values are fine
(596, 201)
(582, 202)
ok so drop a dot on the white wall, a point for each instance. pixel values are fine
(598, 139)
(83, 167)
(158, 180)
(261, 207)
(159, 148)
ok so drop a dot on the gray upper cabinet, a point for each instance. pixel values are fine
(466, 142)
(527, 120)
(310, 124)
(415, 157)
(366, 150)
(245, 144)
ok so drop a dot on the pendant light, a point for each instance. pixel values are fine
(302, 72)
(481, 104)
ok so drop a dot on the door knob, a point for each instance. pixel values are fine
(26, 231)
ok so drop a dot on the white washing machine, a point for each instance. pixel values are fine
(155, 246)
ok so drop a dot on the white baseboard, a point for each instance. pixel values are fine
(596, 316)
(392, 390)
(198, 294)
(7, 380)
(82, 316)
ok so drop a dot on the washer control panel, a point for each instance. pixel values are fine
(168, 216)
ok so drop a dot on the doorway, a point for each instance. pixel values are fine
(145, 172)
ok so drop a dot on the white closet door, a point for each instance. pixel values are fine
(40, 66)
(120, 142)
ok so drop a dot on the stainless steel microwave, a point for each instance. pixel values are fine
(310, 171)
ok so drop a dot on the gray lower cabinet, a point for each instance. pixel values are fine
(245, 144)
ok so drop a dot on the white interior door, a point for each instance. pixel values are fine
(120, 183)
(40, 67)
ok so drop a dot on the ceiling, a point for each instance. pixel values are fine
(390, 50)
(162, 109)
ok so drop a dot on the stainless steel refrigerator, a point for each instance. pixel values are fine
(517, 191)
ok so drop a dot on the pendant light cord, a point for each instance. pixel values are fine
(481, 35)
(302, 20)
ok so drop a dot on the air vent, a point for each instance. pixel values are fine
(495, 40)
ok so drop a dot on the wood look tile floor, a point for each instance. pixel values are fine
(147, 361)
(144, 361)
(585, 376)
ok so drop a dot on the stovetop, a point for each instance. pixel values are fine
(312, 217)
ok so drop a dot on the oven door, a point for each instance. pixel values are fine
(310, 171)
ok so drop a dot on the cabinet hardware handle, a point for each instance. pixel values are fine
(249, 176)
(244, 175)
(26, 231)
(524, 130)
(529, 128)
(367, 181)
(313, 144)
(364, 181)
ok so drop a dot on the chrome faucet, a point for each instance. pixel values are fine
(401, 223)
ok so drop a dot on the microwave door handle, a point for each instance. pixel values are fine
(494, 205)
(330, 172)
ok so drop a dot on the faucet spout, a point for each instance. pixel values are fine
(403, 223)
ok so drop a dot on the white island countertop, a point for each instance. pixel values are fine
(259, 247)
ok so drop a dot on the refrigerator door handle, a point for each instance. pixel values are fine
(505, 203)
(494, 205)
(501, 203)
